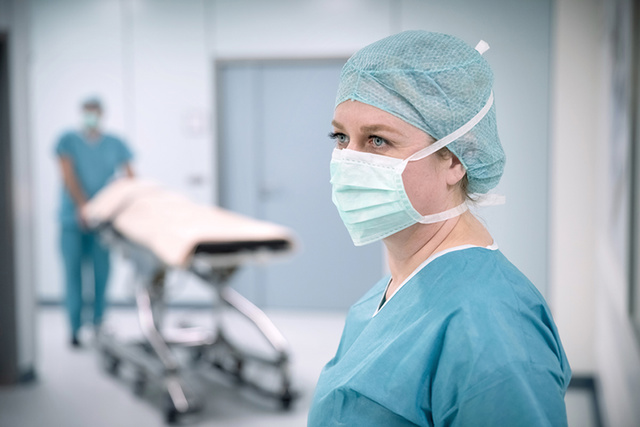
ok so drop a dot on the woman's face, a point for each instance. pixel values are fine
(430, 183)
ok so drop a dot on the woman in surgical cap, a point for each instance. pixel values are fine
(456, 335)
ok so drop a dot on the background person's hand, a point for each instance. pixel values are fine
(82, 221)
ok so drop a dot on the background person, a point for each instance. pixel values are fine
(89, 159)
(456, 335)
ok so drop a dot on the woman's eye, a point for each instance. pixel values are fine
(377, 141)
(341, 138)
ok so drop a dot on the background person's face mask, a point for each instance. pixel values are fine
(369, 192)
(91, 119)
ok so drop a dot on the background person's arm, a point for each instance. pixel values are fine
(128, 170)
(73, 186)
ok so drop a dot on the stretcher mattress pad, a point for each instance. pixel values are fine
(174, 228)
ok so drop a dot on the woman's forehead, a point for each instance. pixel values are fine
(366, 117)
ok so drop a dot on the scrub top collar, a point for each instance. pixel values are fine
(91, 141)
(384, 301)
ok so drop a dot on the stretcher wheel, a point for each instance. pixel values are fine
(147, 348)
(237, 371)
(170, 412)
(139, 384)
(197, 354)
(285, 399)
(232, 367)
(112, 364)
(171, 415)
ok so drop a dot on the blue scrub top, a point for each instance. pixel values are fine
(467, 341)
(94, 162)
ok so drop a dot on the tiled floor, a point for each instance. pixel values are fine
(74, 390)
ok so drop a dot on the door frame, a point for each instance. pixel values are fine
(218, 64)
(9, 369)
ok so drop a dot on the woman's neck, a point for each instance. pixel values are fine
(411, 247)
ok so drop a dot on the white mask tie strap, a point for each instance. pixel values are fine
(488, 199)
(443, 216)
(482, 47)
(453, 135)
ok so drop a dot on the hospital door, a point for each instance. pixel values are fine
(274, 153)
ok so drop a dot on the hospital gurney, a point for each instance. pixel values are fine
(158, 230)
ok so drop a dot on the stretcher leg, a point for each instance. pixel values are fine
(258, 317)
(239, 358)
(155, 356)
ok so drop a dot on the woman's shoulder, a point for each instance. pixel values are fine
(482, 290)
(488, 297)
(480, 273)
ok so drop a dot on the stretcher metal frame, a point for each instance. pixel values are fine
(215, 263)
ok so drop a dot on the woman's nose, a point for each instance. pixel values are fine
(352, 145)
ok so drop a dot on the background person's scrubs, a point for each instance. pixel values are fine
(94, 163)
(467, 341)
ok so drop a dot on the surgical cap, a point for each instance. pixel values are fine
(436, 83)
(92, 102)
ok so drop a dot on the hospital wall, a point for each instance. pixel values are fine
(572, 199)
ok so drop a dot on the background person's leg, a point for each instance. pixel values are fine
(101, 264)
(71, 245)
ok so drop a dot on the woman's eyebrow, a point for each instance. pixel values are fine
(377, 128)
(370, 129)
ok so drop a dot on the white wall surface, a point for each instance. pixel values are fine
(171, 93)
(293, 28)
(576, 73)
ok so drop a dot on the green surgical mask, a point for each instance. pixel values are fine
(370, 196)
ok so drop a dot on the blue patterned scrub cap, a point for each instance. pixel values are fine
(437, 83)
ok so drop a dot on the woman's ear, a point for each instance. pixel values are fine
(455, 170)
